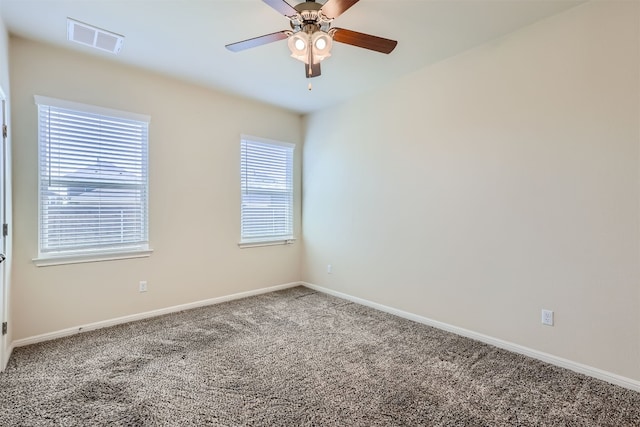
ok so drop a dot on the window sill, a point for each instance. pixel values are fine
(260, 243)
(47, 261)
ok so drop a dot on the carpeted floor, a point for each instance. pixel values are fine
(295, 358)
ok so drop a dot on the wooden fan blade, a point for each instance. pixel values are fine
(257, 41)
(281, 6)
(365, 41)
(313, 72)
(334, 8)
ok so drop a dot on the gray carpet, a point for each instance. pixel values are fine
(294, 358)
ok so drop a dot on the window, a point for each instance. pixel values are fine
(93, 181)
(267, 191)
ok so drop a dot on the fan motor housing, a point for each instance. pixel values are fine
(309, 13)
(308, 5)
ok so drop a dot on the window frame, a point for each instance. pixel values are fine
(126, 251)
(287, 239)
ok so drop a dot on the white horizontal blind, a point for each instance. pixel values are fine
(267, 191)
(93, 181)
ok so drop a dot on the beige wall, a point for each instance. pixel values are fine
(194, 194)
(502, 181)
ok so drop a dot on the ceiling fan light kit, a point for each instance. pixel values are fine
(311, 37)
(310, 48)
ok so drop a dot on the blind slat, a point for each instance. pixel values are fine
(267, 190)
(93, 181)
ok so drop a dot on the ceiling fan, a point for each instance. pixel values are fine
(311, 35)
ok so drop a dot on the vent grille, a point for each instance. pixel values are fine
(98, 38)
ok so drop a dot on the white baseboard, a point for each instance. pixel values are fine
(140, 316)
(506, 345)
(516, 348)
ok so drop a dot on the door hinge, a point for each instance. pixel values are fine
(5, 230)
(4, 328)
(5, 131)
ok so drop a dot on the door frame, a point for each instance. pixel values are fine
(4, 357)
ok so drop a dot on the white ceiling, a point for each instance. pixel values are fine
(186, 38)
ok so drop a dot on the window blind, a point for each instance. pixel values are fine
(93, 179)
(267, 190)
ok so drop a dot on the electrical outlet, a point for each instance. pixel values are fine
(143, 286)
(547, 317)
(329, 269)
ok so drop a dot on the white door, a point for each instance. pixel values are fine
(3, 230)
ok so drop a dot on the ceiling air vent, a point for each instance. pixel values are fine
(89, 35)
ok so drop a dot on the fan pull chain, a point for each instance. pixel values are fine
(310, 69)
